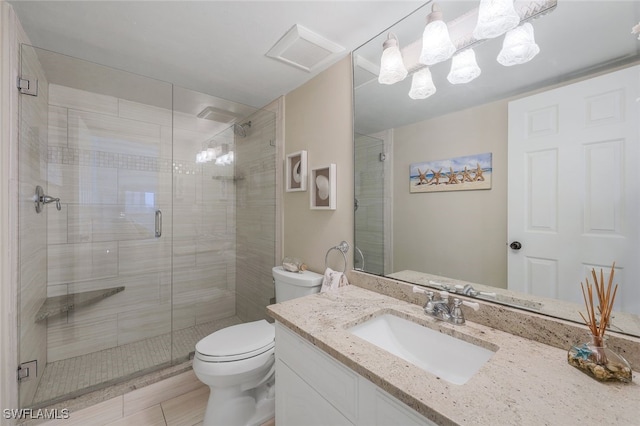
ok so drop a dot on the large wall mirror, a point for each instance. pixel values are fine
(563, 133)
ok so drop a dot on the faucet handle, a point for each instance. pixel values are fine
(468, 290)
(472, 305)
(417, 289)
(428, 306)
(457, 316)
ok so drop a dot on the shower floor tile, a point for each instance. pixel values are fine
(71, 377)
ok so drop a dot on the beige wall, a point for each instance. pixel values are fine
(318, 118)
(458, 234)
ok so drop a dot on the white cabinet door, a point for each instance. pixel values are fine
(379, 408)
(315, 389)
(297, 403)
(574, 158)
(335, 382)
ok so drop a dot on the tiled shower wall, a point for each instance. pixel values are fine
(110, 162)
(256, 204)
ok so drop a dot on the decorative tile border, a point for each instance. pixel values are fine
(86, 157)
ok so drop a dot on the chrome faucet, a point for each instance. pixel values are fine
(437, 308)
(466, 289)
(442, 309)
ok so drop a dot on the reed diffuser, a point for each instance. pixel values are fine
(594, 358)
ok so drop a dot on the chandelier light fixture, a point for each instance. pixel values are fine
(464, 67)
(422, 84)
(392, 69)
(495, 17)
(490, 19)
(436, 41)
(519, 46)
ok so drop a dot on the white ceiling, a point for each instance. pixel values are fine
(215, 47)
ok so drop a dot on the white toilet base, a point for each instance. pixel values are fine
(233, 407)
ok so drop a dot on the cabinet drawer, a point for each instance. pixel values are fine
(336, 383)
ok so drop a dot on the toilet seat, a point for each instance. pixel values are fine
(238, 342)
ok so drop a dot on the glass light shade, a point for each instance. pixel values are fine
(495, 17)
(392, 69)
(464, 67)
(519, 46)
(211, 154)
(436, 43)
(422, 84)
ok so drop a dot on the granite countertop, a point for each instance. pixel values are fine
(620, 321)
(525, 382)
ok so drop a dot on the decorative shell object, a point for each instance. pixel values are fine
(600, 362)
(292, 264)
(323, 187)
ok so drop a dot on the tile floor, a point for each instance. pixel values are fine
(180, 400)
(75, 376)
(184, 410)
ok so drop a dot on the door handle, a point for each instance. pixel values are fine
(515, 245)
(158, 223)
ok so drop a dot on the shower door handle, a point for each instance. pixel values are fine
(158, 223)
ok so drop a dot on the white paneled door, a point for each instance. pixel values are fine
(574, 188)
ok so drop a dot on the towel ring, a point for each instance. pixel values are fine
(362, 256)
(343, 247)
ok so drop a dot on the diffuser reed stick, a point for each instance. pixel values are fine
(604, 308)
(595, 358)
(605, 302)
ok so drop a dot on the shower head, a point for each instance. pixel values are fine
(241, 129)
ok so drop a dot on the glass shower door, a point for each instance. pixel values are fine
(95, 267)
(224, 215)
(369, 204)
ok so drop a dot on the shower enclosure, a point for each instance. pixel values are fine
(372, 205)
(156, 223)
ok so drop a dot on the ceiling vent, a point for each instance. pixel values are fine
(304, 49)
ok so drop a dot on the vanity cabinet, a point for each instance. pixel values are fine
(314, 389)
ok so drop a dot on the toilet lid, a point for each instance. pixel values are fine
(238, 340)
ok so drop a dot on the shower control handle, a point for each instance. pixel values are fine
(40, 199)
(47, 199)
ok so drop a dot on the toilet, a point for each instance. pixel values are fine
(238, 362)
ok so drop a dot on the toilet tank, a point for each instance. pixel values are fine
(290, 285)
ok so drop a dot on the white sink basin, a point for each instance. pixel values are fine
(449, 358)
